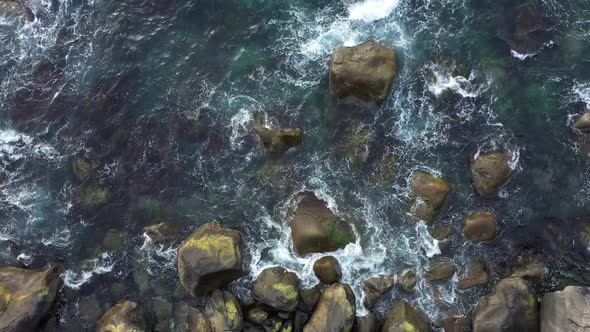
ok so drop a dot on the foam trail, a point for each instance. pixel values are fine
(371, 10)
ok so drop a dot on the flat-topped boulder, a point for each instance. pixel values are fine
(316, 229)
(279, 140)
(26, 296)
(277, 288)
(210, 259)
(480, 226)
(126, 316)
(566, 310)
(490, 171)
(403, 317)
(430, 194)
(335, 310)
(365, 71)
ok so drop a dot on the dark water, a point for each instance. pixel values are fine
(160, 96)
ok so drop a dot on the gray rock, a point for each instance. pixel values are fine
(566, 311)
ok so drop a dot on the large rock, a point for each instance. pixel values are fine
(365, 71)
(583, 122)
(375, 287)
(327, 269)
(529, 268)
(566, 311)
(126, 316)
(458, 324)
(406, 281)
(431, 193)
(490, 171)
(511, 307)
(367, 323)
(190, 319)
(210, 258)
(335, 311)
(525, 30)
(480, 226)
(401, 317)
(476, 275)
(440, 270)
(277, 288)
(26, 296)
(16, 8)
(223, 311)
(316, 229)
(279, 140)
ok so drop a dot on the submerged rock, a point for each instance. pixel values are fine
(356, 145)
(511, 307)
(431, 193)
(365, 71)
(476, 275)
(316, 229)
(566, 310)
(583, 122)
(526, 30)
(162, 233)
(277, 288)
(490, 171)
(16, 8)
(529, 268)
(210, 258)
(335, 310)
(279, 140)
(126, 316)
(26, 296)
(375, 287)
(82, 168)
(92, 196)
(386, 169)
(407, 281)
(480, 226)
(327, 269)
(440, 270)
(403, 317)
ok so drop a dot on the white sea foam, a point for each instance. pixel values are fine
(100, 265)
(522, 56)
(371, 10)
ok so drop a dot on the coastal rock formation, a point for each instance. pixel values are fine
(223, 311)
(15, 8)
(566, 310)
(476, 275)
(525, 30)
(480, 226)
(279, 140)
(368, 323)
(210, 258)
(26, 296)
(529, 268)
(335, 310)
(327, 269)
(458, 324)
(403, 317)
(407, 281)
(365, 71)
(375, 287)
(431, 193)
(440, 270)
(125, 316)
(511, 307)
(188, 319)
(316, 229)
(162, 233)
(277, 288)
(583, 122)
(490, 171)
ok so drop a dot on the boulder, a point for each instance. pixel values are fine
(532, 269)
(310, 298)
(15, 8)
(278, 288)
(26, 296)
(403, 317)
(279, 140)
(567, 310)
(125, 316)
(442, 233)
(162, 233)
(476, 275)
(440, 270)
(190, 319)
(316, 229)
(210, 258)
(92, 196)
(335, 310)
(82, 168)
(511, 307)
(525, 30)
(365, 71)
(407, 281)
(480, 226)
(223, 311)
(431, 194)
(375, 287)
(490, 171)
(458, 324)
(368, 323)
(257, 315)
(583, 122)
(327, 269)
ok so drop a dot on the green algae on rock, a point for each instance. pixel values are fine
(277, 288)
(335, 310)
(403, 317)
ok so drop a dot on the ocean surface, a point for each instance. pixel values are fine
(159, 97)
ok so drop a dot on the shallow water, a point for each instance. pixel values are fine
(161, 94)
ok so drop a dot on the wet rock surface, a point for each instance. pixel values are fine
(480, 226)
(566, 310)
(403, 317)
(279, 140)
(431, 194)
(335, 310)
(277, 288)
(126, 316)
(327, 269)
(490, 171)
(375, 287)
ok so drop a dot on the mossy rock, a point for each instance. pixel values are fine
(93, 196)
(403, 317)
(356, 145)
(114, 240)
(335, 310)
(386, 169)
(277, 288)
(223, 311)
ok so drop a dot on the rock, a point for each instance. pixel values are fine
(367, 323)
(526, 31)
(442, 233)
(356, 145)
(316, 229)
(126, 316)
(189, 319)
(566, 310)
(15, 8)
(529, 268)
(335, 310)
(490, 171)
(480, 226)
(327, 269)
(26, 296)
(401, 317)
(279, 140)
(82, 169)
(299, 321)
(407, 281)
(431, 193)
(458, 324)
(257, 315)
(583, 122)
(365, 71)
(476, 275)
(162, 233)
(386, 169)
(440, 270)
(92, 196)
(511, 307)
(223, 311)
(210, 258)
(277, 288)
(310, 298)
(114, 240)
(162, 308)
(375, 287)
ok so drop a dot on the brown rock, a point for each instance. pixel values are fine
(375, 287)
(279, 140)
(335, 311)
(529, 268)
(480, 226)
(490, 171)
(257, 315)
(126, 316)
(431, 193)
(442, 233)
(407, 281)
(440, 270)
(566, 310)
(327, 269)
(476, 275)
(15, 8)
(583, 122)
(277, 288)
(367, 323)
(310, 298)
(162, 233)
(401, 317)
(458, 324)
(223, 311)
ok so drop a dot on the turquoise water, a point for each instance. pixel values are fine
(160, 96)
